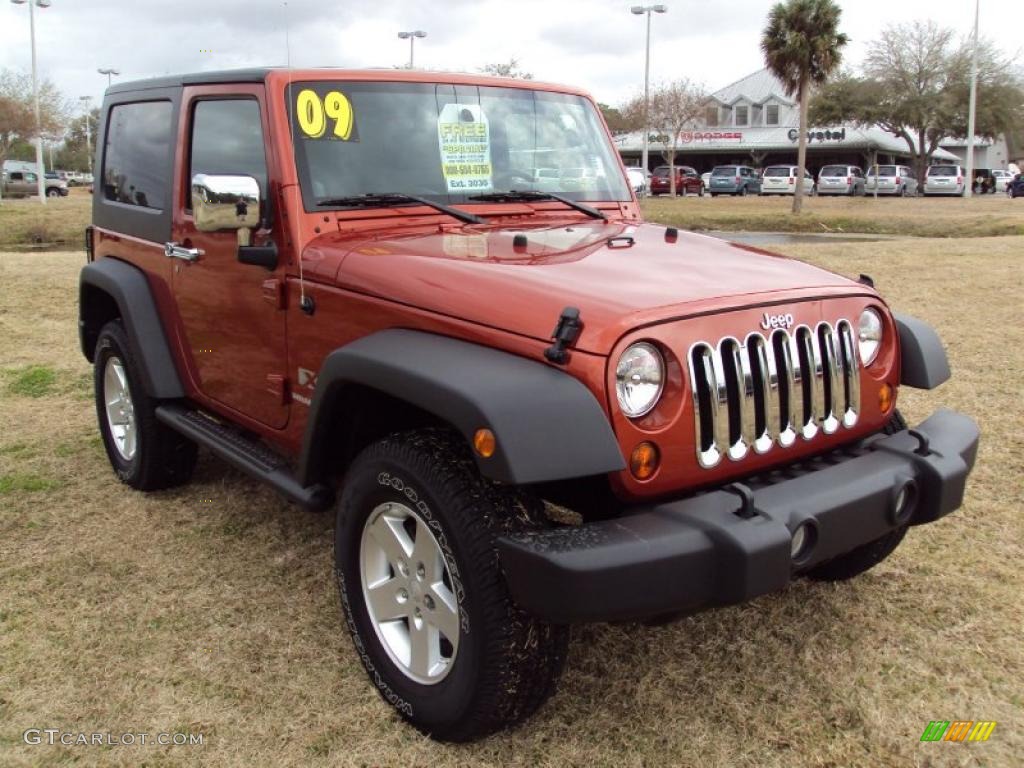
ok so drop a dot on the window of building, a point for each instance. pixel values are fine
(136, 166)
(227, 138)
(712, 116)
(742, 115)
(771, 114)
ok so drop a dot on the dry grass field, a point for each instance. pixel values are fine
(60, 224)
(980, 216)
(210, 609)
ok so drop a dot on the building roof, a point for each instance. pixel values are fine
(757, 88)
(778, 138)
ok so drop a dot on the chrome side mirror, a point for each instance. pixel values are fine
(225, 202)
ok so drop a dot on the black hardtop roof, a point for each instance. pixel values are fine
(256, 75)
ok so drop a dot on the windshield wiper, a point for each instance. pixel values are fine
(380, 200)
(525, 195)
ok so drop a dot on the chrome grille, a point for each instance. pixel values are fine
(771, 389)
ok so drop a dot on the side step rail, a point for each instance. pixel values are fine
(244, 454)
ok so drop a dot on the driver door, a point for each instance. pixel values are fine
(231, 314)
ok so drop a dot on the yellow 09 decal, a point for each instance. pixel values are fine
(313, 114)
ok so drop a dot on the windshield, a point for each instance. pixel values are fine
(448, 142)
(725, 170)
(835, 170)
(943, 170)
(779, 170)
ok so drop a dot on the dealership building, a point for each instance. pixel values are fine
(753, 122)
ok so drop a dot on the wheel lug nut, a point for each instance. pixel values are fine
(421, 571)
(429, 602)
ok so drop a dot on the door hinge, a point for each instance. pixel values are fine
(274, 292)
(277, 385)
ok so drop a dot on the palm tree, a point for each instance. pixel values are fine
(802, 46)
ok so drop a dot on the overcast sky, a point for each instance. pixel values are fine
(596, 44)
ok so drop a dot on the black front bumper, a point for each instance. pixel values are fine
(733, 544)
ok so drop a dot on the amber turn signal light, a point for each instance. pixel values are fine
(485, 443)
(885, 398)
(643, 461)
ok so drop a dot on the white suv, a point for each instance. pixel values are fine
(891, 180)
(841, 180)
(781, 180)
(944, 180)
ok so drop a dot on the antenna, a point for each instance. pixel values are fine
(305, 304)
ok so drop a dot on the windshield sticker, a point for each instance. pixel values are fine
(316, 115)
(465, 140)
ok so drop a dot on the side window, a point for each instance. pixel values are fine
(227, 138)
(17, 176)
(134, 165)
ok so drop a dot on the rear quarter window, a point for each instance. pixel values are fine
(135, 171)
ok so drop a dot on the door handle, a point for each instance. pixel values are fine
(176, 251)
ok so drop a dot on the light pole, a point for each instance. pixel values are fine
(108, 71)
(640, 10)
(411, 37)
(87, 101)
(35, 94)
(969, 186)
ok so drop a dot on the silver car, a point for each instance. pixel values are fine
(781, 180)
(841, 180)
(1002, 179)
(944, 180)
(896, 180)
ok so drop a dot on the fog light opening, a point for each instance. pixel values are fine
(803, 541)
(904, 501)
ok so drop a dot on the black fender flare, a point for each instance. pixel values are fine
(548, 425)
(127, 286)
(923, 361)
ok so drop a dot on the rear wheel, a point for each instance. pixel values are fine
(866, 556)
(423, 594)
(144, 453)
(53, 192)
(743, 191)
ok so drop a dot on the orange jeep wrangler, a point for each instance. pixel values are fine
(429, 303)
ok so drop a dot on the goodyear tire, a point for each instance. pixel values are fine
(424, 597)
(144, 453)
(867, 556)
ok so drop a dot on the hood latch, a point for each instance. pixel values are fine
(565, 333)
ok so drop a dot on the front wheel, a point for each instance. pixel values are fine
(700, 190)
(53, 192)
(424, 597)
(742, 192)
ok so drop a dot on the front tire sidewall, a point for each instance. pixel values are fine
(376, 481)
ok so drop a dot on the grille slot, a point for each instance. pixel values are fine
(766, 391)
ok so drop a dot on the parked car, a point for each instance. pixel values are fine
(944, 180)
(781, 180)
(898, 180)
(841, 180)
(1002, 179)
(1015, 186)
(394, 343)
(705, 179)
(739, 180)
(687, 181)
(25, 183)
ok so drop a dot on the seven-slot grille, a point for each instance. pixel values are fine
(772, 389)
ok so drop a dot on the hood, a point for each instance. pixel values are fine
(619, 275)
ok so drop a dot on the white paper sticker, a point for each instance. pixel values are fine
(464, 138)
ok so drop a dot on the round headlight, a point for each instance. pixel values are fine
(639, 379)
(869, 335)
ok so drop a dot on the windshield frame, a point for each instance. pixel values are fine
(616, 187)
